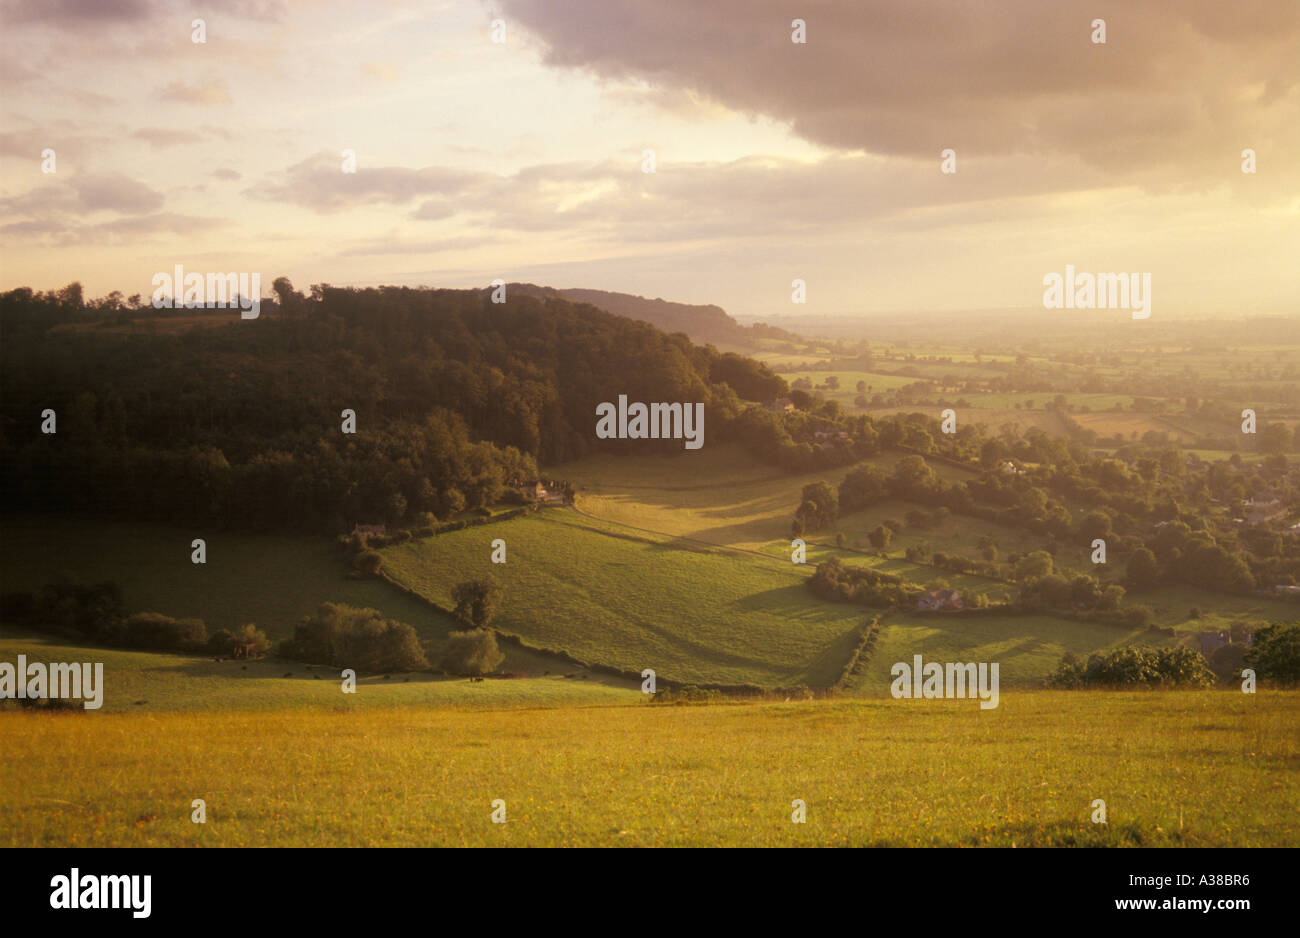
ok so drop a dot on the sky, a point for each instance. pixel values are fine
(774, 160)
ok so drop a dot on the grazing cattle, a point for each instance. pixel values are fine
(246, 650)
(288, 674)
(243, 667)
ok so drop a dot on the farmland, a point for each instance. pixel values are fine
(1210, 768)
(635, 601)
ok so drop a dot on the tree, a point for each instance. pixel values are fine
(1142, 571)
(913, 478)
(880, 537)
(476, 601)
(472, 652)
(369, 562)
(861, 387)
(351, 637)
(819, 505)
(1111, 598)
(1275, 653)
(1033, 566)
(833, 382)
(862, 488)
(1275, 438)
(1094, 524)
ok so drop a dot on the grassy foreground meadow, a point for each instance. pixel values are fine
(1212, 768)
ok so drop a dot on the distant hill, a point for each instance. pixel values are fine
(703, 324)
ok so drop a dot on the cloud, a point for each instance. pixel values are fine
(77, 12)
(160, 138)
(115, 192)
(66, 231)
(59, 206)
(320, 184)
(209, 91)
(1177, 90)
(229, 175)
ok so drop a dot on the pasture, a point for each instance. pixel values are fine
(1209, 768)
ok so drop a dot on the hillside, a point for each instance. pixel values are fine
(703, 323)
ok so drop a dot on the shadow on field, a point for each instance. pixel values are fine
(1074, 834)
(262, 669)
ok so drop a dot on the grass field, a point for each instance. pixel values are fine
(717, 495)
(635, 601)
(151, 683)
(1027, 648)
(1213, 768)
(271, 580)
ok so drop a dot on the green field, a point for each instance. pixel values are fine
(1026, 648)
(635, 601)
(145, 682)
(270, 580)
(718, 495)
(1210, 768)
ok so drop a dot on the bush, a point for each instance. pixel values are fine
(90, 609)
(157, 631)
(349, 637)
(472, 652)
(223, 641)
(368, 561)
(1133, 666)
(1139, 616)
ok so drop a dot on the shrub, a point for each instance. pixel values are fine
(89, 609)
(223, 641)
(1138, 616)
(472, 652)
(1135, 665)
(157, 631)
(368, 561)
(349, 637)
